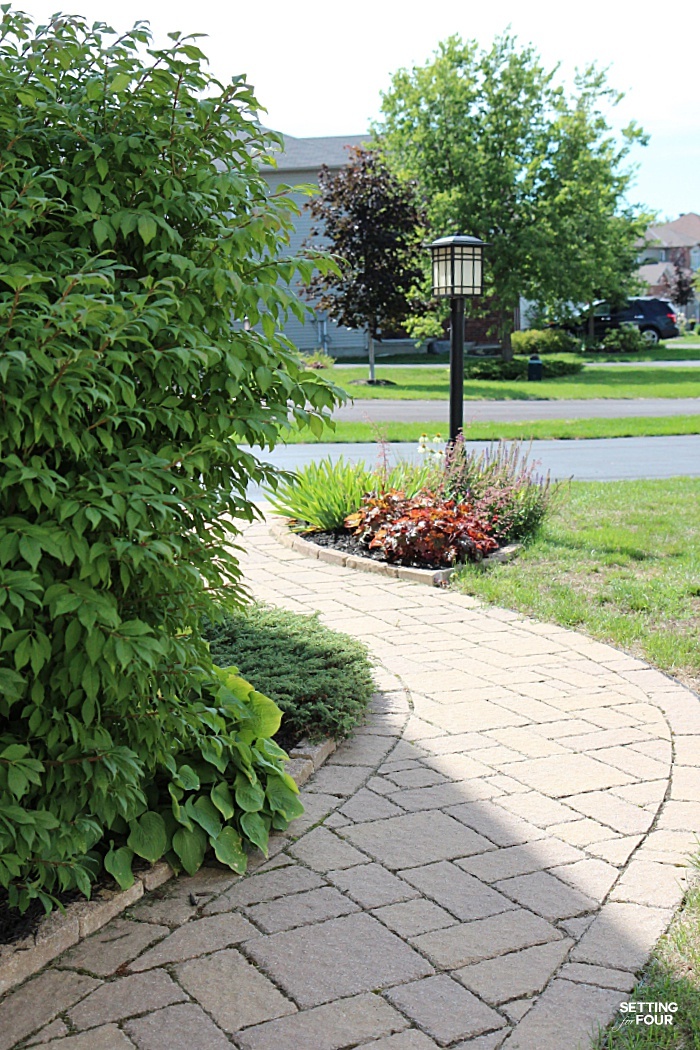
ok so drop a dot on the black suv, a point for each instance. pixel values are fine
(655, 319)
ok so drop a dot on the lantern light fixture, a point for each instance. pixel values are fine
(458, 273)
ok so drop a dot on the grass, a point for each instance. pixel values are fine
(564, 429)
(671, 976)
(684, 348)
(432, 383)
(619, 560)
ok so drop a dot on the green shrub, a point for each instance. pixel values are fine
(136, 234)
(319, 497)
(544, 341)
(318, 359)
(626, 339)
(516, 369)
(321, 679)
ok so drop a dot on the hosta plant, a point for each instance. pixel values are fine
(136, 235)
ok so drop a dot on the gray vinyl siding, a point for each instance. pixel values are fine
(306, 336)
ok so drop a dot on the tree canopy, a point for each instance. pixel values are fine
(372, 223)
(502, 152)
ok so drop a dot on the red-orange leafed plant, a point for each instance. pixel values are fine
(425, 529)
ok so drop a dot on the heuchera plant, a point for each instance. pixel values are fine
(136, 236)
(425, 529)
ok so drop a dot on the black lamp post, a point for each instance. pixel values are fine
(457, 273)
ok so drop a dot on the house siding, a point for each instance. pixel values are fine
(309, 335)
(317, 330)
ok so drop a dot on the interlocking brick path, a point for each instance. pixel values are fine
(486, 864)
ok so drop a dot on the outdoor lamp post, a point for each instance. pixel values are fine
(457, 273)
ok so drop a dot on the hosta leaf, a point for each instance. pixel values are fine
(265, 714)
(255, 828)
(228, 849)
(148, 837)
(187, 778)
(250, 797)
(221, 797)
(282, 798)
(206, 815)
(190, 847)
(118, 863)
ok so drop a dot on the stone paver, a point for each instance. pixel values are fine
(445, 1009)
(485, 938)
(328, 1027)
(113, 946)
(126, 997)
(372, 886)
(333, 959)
(198, 937)
(232, 991)
(486, 865)
(565, 1010)
(106, 1037)
(181, 1027)
(514, 975)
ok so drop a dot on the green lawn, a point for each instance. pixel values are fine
(432, 383)
(619, 560)
(685, 348)
(565, 429)
(672, 976)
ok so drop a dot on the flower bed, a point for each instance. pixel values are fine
(454, 508)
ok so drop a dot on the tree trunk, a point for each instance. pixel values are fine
(371, 357)
(591, 325)
(505, 330)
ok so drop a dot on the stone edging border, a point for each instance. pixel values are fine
(282, 532)
(61, 930)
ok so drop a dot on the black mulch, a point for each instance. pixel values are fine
(344, 541)
(15, 927)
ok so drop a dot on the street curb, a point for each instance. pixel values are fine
(281, 531)
(62, 929)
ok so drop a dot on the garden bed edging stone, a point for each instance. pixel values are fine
(282, 532)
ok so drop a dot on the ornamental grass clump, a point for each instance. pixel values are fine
(136, 235)
(320, 496)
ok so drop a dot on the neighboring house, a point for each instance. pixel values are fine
(674, 242)
(656, 276)
(299, 164)
(666, 246)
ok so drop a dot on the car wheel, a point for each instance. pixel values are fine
(650, 335)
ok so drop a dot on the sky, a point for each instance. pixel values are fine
(320, 69)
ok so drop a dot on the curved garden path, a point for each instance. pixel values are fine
(485, 865)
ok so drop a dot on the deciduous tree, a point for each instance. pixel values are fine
(501, 151)
(372, 222)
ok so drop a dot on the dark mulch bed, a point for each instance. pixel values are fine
(344, 541)
(15, 927)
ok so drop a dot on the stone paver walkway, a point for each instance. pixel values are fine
(485, 865)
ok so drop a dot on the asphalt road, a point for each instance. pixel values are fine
(598, 459)
(516, 411)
